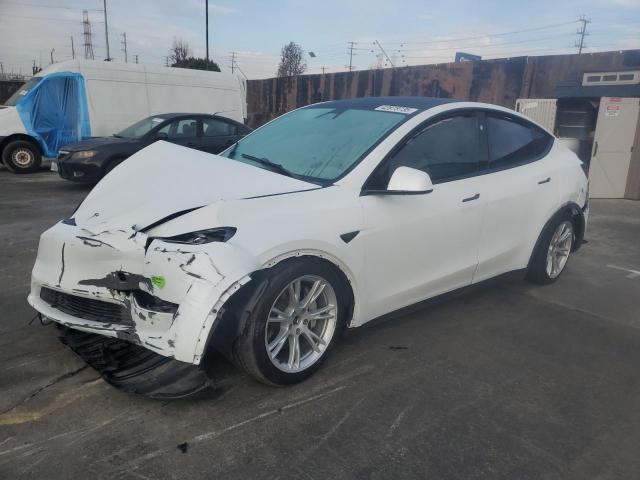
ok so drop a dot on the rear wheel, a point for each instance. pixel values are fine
(294, 324)
(21, 156)
(553, 251)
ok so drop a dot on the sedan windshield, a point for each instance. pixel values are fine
(317, 143)
(140, 128)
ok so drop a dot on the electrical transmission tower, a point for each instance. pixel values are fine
(582, 32)
(88, 43)
(124, 46)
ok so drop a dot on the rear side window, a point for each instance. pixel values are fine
(446, 149)
(512, 143)
(212, 127)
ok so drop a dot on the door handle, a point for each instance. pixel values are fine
(546, 180)
(470, 199)
(595, 149)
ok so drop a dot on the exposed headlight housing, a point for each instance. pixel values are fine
(83, 154)
(220, 234)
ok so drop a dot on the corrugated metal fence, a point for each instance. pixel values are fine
(499, 81)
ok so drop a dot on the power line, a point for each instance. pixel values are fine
(478, 37)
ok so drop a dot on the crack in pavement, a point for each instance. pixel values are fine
(39, 390)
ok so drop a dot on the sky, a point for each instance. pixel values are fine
(386, 33)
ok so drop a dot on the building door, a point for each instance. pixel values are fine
(612, 152)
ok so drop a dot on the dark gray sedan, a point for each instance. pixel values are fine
(90, 160)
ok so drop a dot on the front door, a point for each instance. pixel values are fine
(419, 246)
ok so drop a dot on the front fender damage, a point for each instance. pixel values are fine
(171, 295)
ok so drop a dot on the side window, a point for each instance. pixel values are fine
(184, 128)
(446, 150)
(212, 127)
(513, 143)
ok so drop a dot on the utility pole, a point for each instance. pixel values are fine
(136, 57)
(106, 30)
(2, 68)
(88, 42)
(233, 61)
(73, 50)
(207, 32)
(124, 43)
(582, 32)
(376, 42)
(351, 45)
(166, 61)
(51, 53)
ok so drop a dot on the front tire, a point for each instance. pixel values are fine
(21, 156)
(294, 324)
(553, 251)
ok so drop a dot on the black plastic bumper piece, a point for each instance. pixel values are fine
(135, 369)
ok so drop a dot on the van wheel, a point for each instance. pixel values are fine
(552, 254)
(21, 156)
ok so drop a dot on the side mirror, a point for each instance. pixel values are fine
(409, 181)
(162, 136)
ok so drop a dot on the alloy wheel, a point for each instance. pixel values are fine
(301, 323)
(559, 249)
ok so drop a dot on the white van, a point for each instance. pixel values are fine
(73, 100)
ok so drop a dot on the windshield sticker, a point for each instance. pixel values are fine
(396, 109)
(157, 120)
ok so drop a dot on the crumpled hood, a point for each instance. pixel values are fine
(164, 179)
(94, 142)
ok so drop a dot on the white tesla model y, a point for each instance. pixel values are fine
(325, 218)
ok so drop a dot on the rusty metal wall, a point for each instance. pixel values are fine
(500, 81)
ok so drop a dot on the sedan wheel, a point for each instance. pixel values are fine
(301, 323)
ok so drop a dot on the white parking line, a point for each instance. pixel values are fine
(631, 273)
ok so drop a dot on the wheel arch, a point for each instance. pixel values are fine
(20, 136)
(233, 315)
(577, 218)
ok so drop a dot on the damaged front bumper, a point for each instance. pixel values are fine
(126, 285)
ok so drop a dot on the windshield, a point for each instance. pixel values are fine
(140, 128)
(318, 143)
(19, 95)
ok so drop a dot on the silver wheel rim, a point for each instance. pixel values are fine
(22, 157)
(559, 249)
(301, 323)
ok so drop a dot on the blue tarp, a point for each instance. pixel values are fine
(55, 111)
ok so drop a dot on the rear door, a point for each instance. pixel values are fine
(218, 134)
(520, 193)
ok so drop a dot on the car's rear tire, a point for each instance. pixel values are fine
(294, 324)
(553, 250)
(21, 156)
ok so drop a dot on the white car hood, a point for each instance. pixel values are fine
(164, 179)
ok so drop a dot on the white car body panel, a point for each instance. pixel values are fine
(10, 122)
(407, 248)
